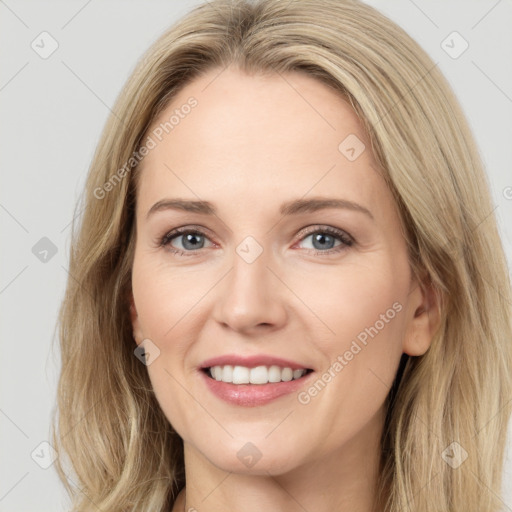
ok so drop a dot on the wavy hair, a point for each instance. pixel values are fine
(121, 452)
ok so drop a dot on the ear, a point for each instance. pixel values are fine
(137, 329)
(424, 318)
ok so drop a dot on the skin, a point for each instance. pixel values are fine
(251, 144)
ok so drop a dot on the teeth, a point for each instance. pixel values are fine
(297, 374)
(257, 375)
(274, 374)
(225, 374)
(240, 375)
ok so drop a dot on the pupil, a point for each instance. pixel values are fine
(321, 238)
(190, 239)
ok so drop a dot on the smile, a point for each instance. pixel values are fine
(257, 375)
(252, 387)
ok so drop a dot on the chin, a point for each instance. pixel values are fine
(253, 459)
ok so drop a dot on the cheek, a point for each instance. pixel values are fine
(355, 301)
(363, 311)
(166, 297)
(165, 303)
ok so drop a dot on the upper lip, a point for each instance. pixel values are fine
(252, 361)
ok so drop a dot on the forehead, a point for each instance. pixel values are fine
(255, 138)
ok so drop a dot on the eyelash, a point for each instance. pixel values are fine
(346, 240)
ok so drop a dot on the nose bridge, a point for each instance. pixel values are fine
(251, 294)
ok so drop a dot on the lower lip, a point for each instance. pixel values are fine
(252, 395)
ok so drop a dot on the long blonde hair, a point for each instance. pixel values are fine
(450, 404)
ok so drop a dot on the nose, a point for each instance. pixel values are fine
(251, 298)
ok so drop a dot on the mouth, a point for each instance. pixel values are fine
(254, 380)
(258, 375)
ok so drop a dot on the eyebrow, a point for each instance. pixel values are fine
(295, 207)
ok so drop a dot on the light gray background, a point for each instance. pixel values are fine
(52, 112)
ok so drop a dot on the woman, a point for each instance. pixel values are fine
(293, 293)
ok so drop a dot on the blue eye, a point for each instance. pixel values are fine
(191, 240)
(324, 240)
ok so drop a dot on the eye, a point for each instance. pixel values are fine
(323, 239)
(191, 240)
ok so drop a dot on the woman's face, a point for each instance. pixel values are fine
(270, 278)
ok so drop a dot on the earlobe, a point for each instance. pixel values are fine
(423, 324)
